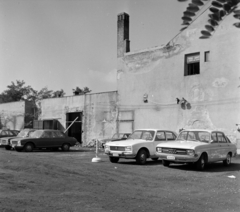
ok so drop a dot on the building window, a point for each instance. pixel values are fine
(206, 56)
(192, 64)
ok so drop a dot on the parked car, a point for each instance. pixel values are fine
(140, 145)
(199, 147)
(115, 137)
(6, 133)
(44, 139)
(22, 134)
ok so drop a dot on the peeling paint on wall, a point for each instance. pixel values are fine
(220, 82)
(200, 93)
(199, 118)
(143, 62)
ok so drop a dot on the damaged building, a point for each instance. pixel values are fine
(192, 82)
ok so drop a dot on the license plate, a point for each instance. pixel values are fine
(171, 157)
(115, 154)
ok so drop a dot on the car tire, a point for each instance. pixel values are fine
(141, 157)
(165, 163)
(113, 159)
(8, 147)
(65, 147)
(201, 163)
(28, 147)
(227, 162)
(154, 159)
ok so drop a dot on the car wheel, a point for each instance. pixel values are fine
(201, 163)
(8, 147)
(113, 159)
(154, 159)
(227, 162)
(28, 147)
(165, 163)
(141, 157)
(65, 147)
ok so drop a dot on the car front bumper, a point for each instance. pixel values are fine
(178, 158)
(119, 154)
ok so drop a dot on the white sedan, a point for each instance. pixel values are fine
(199, 147)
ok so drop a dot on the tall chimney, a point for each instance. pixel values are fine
(123, 43)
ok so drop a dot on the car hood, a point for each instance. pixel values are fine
(182, 144)
(6, 138)
(128, 142)
(19, 138)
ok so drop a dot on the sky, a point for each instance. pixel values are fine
(62, 44)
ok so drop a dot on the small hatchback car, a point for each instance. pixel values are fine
(43, 139)
(199, 147)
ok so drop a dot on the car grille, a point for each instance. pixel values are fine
(174, 151)
(14, 142)
(117, 148)
(4, 141)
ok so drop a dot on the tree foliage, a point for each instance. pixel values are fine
(19, 91)
(79, 91)
(218, 10)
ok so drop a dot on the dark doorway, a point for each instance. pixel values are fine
(76, 128)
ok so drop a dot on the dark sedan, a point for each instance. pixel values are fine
(44, 139)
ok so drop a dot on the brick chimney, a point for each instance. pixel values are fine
(123, 43)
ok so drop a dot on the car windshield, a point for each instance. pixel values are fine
(23, 133)
(201, 136)
(118, 135)
(36, 134)
(142, 134)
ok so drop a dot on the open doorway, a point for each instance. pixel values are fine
(76, 129)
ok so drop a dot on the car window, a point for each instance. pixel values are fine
(57, 134)
(3, 132)
(182, 136)
(115, 136)
(214, 137)
(46, 134)
(124, 136)
(170, 136)
(221, 138)
(204, 137)
(191, 136)
(160, 136)
(228, 140)
(147, 135)
(11, 133)
(136, 135)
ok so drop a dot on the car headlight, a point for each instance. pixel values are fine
(190, 152)
(159, 149)
(128, 148)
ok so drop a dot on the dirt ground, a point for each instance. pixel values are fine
(70, 182)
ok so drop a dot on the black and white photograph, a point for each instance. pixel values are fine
(119, 105)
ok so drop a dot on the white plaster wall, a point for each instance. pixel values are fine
(214, 94)
(96, 108)
(12, 115)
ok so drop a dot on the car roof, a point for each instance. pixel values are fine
(203, 130)
(47, 130)
(154, 129)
